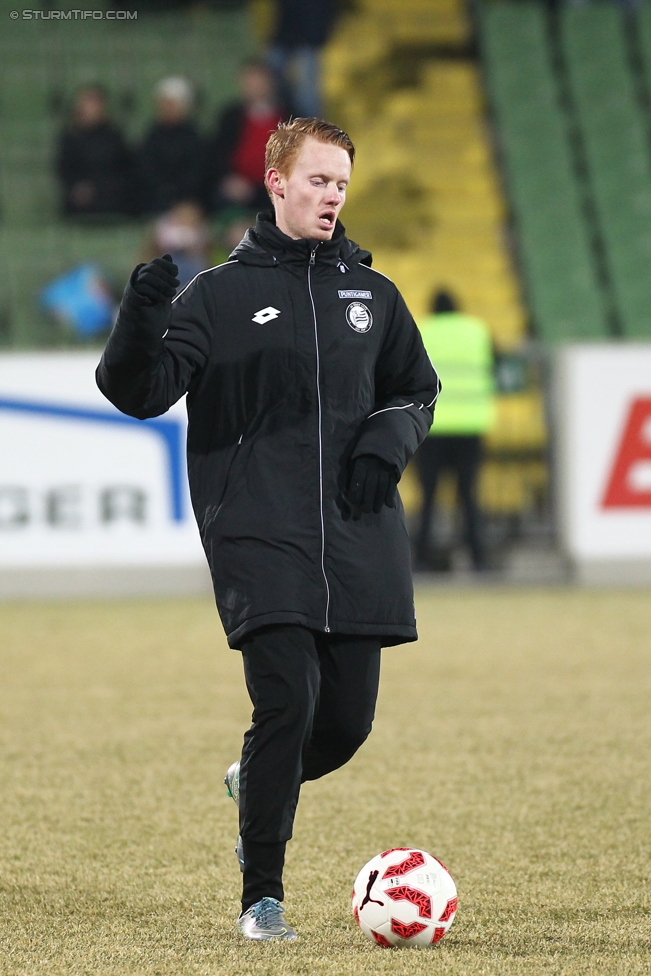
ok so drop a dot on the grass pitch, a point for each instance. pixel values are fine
(512, 741)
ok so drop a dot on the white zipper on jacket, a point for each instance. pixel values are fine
(311, 264)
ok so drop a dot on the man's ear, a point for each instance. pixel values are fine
(276, 182)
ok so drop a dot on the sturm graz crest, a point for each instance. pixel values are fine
(359, 317)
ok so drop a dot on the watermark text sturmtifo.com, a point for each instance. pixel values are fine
(74, 14)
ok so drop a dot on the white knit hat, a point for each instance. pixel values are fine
(177, 89)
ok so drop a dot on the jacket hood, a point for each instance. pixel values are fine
(265, 245)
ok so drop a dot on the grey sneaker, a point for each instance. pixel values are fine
(265, 920)
(232, 781)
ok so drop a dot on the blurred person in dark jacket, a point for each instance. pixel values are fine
(235, 157)
(93, 161)
(302, 29)
(172, 154)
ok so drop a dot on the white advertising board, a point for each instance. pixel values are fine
(602, 407)
(82, 485)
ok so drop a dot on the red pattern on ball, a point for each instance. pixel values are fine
(415, 860)
(438, 935)
(381, 939)
(392, 849)
(419, 898)
(406, 931)
(449, 910)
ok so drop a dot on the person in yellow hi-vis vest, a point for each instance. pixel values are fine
(461, 347)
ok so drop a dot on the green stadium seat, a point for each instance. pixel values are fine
(27, 198)
(615, 137)
(554, 245)
(644, 35)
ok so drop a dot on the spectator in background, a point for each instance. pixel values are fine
(302, 29)
(235, 158)
(93, 161)
(183, 233)
(171, 156)
(462, 349)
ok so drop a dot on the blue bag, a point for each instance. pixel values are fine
(80, 299)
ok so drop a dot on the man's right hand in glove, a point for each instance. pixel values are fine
(156, 282)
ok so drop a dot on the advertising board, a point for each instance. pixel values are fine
(82, 486)
(602, 411)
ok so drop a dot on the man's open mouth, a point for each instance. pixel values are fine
(327, 219)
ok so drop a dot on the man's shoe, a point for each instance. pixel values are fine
(232, 781)
(264, 921)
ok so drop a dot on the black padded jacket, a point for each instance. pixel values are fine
(296, 358)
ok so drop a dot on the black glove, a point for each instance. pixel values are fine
(157, 281)
(371, 485)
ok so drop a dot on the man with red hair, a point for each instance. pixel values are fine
(308, 390)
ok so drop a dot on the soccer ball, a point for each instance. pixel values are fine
(404, 897)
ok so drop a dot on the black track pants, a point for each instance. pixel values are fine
(313, 705)
(461, 454)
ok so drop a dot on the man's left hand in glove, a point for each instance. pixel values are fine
(372, 484)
